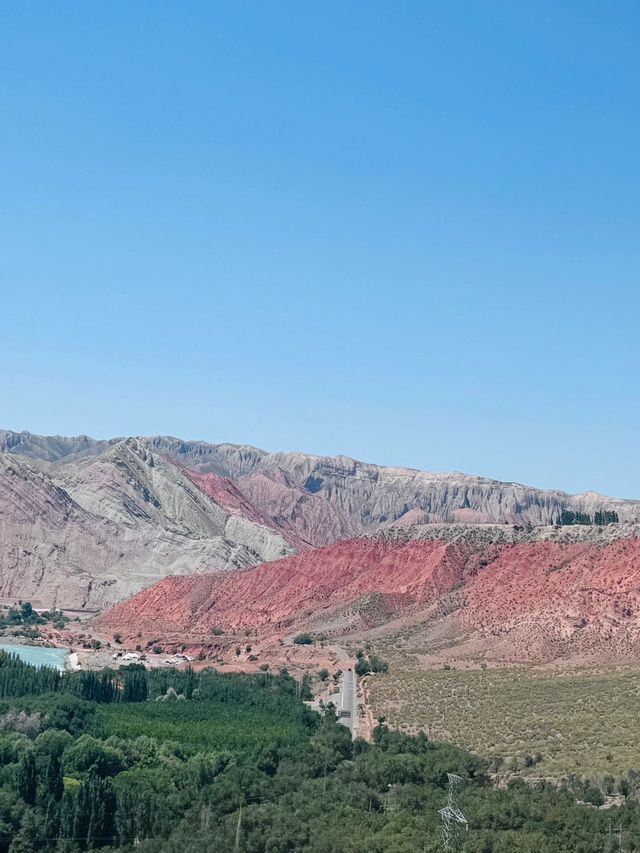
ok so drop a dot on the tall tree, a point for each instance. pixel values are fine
(53, 778)
(28, 778)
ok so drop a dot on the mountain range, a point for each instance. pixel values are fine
(85, 523)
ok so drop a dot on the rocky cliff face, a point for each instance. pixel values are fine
(89, 533)
(325, 499)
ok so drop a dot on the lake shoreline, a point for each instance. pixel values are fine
(40, 655)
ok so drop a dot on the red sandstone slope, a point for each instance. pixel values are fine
(576, 582)
(290, 591)
(544, 600)
(526, 601)
(225, 493)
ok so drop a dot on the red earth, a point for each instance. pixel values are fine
(286, 591)
(540, 599)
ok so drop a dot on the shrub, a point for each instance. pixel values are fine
(371, 664)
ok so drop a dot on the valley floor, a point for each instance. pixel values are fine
(540, 723)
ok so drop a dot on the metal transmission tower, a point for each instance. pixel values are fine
(452, 818)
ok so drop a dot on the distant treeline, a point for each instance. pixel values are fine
(600, 518)
(21, 679)
(134, 683)
(18, 678)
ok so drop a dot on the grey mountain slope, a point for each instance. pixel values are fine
(134, 486)
(323, 499)
(52, 448)
(90, 533)
(130, 484)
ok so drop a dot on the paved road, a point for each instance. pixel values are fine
(348, 701)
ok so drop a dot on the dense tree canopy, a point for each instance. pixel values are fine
(238, 762)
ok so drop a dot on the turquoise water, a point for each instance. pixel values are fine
(37, 655)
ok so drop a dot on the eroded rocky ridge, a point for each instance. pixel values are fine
(89, 533)
(326, 499)
(321, 499)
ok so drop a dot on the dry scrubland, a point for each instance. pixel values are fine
(581, 722)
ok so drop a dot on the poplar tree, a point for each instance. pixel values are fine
(53, 778)
(28, 778)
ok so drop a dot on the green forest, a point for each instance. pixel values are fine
(183, 761)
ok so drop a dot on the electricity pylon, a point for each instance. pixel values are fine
(452, 818)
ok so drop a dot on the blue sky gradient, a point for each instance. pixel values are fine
(406, 232)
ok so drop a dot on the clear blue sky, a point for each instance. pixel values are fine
(404, 231)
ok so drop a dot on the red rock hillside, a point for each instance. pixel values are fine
(293, 590)
(526, 601)
(545, 600)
